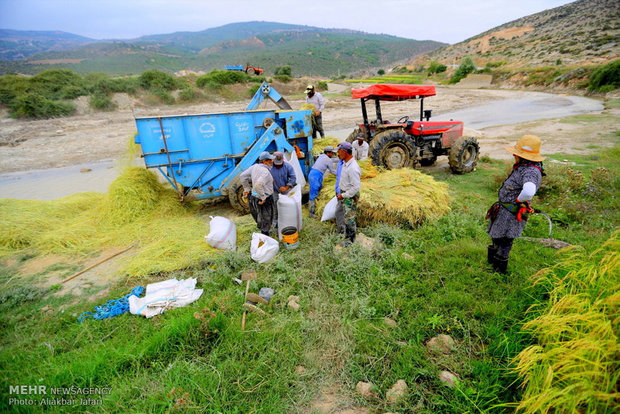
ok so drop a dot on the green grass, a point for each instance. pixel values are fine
(431, 280)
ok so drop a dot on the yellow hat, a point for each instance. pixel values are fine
(309, 88)
(527, 147)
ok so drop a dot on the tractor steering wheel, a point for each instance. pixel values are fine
(403, 120)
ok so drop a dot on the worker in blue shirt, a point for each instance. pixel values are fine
(323, 163)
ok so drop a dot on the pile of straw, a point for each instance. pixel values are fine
(402, 196)
(319, 144)
(137, 210)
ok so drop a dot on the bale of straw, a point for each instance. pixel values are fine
(402, 196)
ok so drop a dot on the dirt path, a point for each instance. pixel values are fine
(95, 140)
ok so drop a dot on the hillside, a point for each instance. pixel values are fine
(308, 50)
(20, 44)
(585, 32)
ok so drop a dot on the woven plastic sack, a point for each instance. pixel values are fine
(329, 212)
(222, 234)
(263, 248)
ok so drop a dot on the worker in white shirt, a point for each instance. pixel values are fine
(360, 148)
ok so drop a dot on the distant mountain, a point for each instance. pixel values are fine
(18, 44)
(585, 32)
(308, 50)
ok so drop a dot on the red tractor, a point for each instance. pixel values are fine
(405, 143)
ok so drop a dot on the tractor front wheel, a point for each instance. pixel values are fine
(235, 195)
(464, 154)
(392, 149)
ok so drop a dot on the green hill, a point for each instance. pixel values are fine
(308, 50)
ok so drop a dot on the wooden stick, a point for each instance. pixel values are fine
(245, 312)
(96, 264)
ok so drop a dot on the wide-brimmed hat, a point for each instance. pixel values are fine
(527, 147)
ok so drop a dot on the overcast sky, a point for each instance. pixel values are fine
(449, 21)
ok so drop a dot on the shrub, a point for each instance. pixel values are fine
(157, 80)
(436, 67)
(380, 72)
(72, 92)
(163, 96)
(252, 90)
(101, 101)
(32, 105)
(466, 67)
(51, 83)
(221, 77)
(283, 70)
(283, 78)
(321, 86)
(189, 95)
(605, 78)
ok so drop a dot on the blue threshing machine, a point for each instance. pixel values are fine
(202, 155)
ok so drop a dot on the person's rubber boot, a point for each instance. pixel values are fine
(312, 208)
(491, 252)
(500, 264)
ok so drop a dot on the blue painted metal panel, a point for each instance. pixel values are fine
(206, 151)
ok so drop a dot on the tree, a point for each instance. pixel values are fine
(283, 70)
(436, 67)
(466, 67)
(381, 72)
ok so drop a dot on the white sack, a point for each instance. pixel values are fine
(289, 210)
(263, 248)
(222, 234)
(299, 174)
(329, 212)
(165, 295)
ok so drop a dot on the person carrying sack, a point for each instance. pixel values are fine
(508, 216)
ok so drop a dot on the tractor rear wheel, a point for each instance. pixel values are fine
(392, 149)
(464, 154)
(235, 195)
(353, 135)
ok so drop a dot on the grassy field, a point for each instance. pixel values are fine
(432, 279)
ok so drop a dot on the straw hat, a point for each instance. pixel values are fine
(527, 147)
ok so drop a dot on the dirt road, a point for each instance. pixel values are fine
(96, 139)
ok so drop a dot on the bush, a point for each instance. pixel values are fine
(157, 80)
(32, 105)
(436, 67)
(605, 78)
(380, 72)
(189, 95)
(252, 90)
(283, 70)
(221, 77)
(283, 78)
(321, 86)
(101, 101)
(163, 96)
(51, 83)
(72, 92)
(466, 67)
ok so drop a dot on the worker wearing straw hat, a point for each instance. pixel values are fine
(258, 181)
(348, 184)
(322, 164)
(508, 215)
(316, 99)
